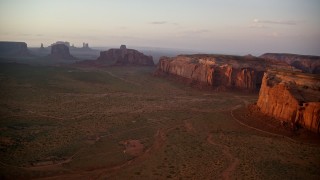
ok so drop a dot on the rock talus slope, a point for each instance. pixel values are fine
(292, 97)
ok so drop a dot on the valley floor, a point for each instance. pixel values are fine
(124, 123)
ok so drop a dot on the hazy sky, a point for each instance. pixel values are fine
(216, 26)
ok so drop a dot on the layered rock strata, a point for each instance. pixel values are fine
(291, 97)
(234, 72)
(124, 56)
(308, 64)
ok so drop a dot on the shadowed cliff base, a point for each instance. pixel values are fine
(252, 117)
(197, 85)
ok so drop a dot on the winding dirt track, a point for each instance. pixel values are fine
(233, 161)
(159, 140)
(256, 129)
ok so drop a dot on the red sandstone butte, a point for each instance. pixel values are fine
(292, 97)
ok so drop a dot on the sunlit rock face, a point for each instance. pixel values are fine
(13, 49)
(124, 56)
(233, 72)
(308, 64)
(291, 96)
(61, 51)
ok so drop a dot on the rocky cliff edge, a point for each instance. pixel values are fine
(291, 97)
(232, 72)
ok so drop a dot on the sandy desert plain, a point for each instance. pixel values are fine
(125, 123)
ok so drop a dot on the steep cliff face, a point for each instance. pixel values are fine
(61, 51)
(291, 96)
(233, 72)
(14, 49)
(124, 56)
(309, 64)
(184, 67)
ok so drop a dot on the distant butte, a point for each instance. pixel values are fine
(61, 51)
(124, 56)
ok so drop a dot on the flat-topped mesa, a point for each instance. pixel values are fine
(124, 56)
(14, 49)
(306, 63)
(291, 97)
(61, 51)
(233, 72)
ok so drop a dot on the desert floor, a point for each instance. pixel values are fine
(124, 123)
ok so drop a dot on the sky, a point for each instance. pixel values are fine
(212, 26)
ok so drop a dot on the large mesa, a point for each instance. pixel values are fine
(13, 49)
(291, 97)
(217, 71)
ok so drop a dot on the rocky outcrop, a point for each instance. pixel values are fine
(14, 49)
(233, 72)
(61, 51)
(291, 97)
(308, 64)
(124, 56)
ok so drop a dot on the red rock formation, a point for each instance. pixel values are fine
(124, 56)
(216, 70)
(291, 96)
(309, 64)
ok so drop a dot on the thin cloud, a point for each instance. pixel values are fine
(159, 22)
(123, 27)
(24, 34)
(163, 23)
(275, 34)
(193, 32)
(200, 31)
(257, 21)
(258, 26)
